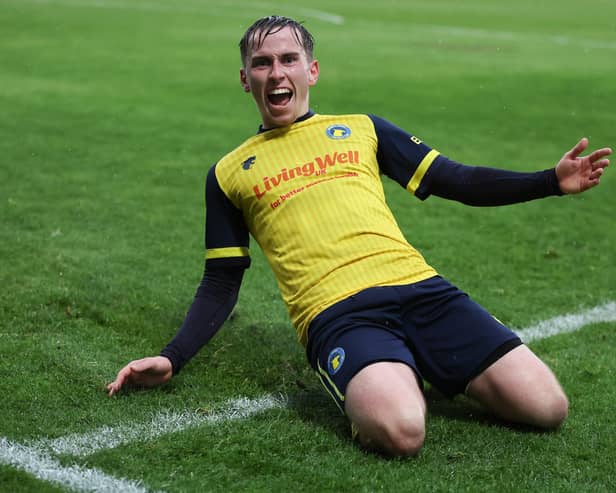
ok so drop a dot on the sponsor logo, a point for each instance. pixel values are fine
(249, 162)
(338, 132)
(318, 166)
(335, 360)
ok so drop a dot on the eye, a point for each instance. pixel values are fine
(260, 62)
(289, 59)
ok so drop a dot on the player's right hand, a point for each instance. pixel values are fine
(145, 372)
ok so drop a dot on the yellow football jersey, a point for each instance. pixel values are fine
(311, 195)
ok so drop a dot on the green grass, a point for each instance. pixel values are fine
(111, 117)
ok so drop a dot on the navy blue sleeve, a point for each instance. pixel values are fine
(401, 156)
(424, 172)
(226, 235)
(226, 242)
(484, 186)
(215, 298)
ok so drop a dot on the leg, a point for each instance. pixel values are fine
(385, 403)
(520, 388)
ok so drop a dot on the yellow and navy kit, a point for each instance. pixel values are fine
(311, 196)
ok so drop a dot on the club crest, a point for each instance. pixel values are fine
(335, 360)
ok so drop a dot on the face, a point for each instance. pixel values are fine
(278, 75)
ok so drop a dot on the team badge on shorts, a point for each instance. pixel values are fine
(338, 132)
(335, 360)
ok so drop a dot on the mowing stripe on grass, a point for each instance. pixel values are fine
(42, 466)
(115, 4)
(569, 323)
(188, 8)
(515, 37)
(331, 18)
(82, 444)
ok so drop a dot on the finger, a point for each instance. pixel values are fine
(121, 378)
(578, 149)
(115, 386)
(599, 154)
(603, 163)
(141, 365)
(596, 174)
(113, 389)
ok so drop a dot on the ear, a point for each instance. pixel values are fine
(244, 80)
(313, 72)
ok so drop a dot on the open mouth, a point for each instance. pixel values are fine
(279, 97)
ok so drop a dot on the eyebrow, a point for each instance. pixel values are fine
(269, 57)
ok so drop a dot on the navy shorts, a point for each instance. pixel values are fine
(432, 326)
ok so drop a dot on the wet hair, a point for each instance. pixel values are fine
(255, 35)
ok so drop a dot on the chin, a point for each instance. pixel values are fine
(281, 119)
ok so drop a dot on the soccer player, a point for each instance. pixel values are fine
(375, 318)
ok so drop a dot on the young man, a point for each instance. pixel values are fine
(375, 318)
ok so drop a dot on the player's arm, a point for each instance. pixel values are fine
(424, 171)
(484, 186)
(214, 301)
(226, 260)
(215, 298)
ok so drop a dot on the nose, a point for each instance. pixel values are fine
(276, 72)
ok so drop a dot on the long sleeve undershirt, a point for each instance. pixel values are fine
(215, 298)
(483, 186)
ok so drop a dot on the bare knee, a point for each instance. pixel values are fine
(552, 411)
(407, 439)
(400, 437)
(521, 388)
(386, 405)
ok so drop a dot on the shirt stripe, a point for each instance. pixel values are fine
(228, 252)
(421, 170)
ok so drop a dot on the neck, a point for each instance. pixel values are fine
(305, 116)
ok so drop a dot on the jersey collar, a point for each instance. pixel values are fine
(305, 116)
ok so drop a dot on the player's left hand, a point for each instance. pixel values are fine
(577, 173)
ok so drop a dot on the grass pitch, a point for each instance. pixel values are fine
(112, 113)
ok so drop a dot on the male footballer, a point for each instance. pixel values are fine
(375, 318)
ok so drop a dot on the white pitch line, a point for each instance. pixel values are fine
(570, 322)
(323, 16)
(83, 444)
(76, 478)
